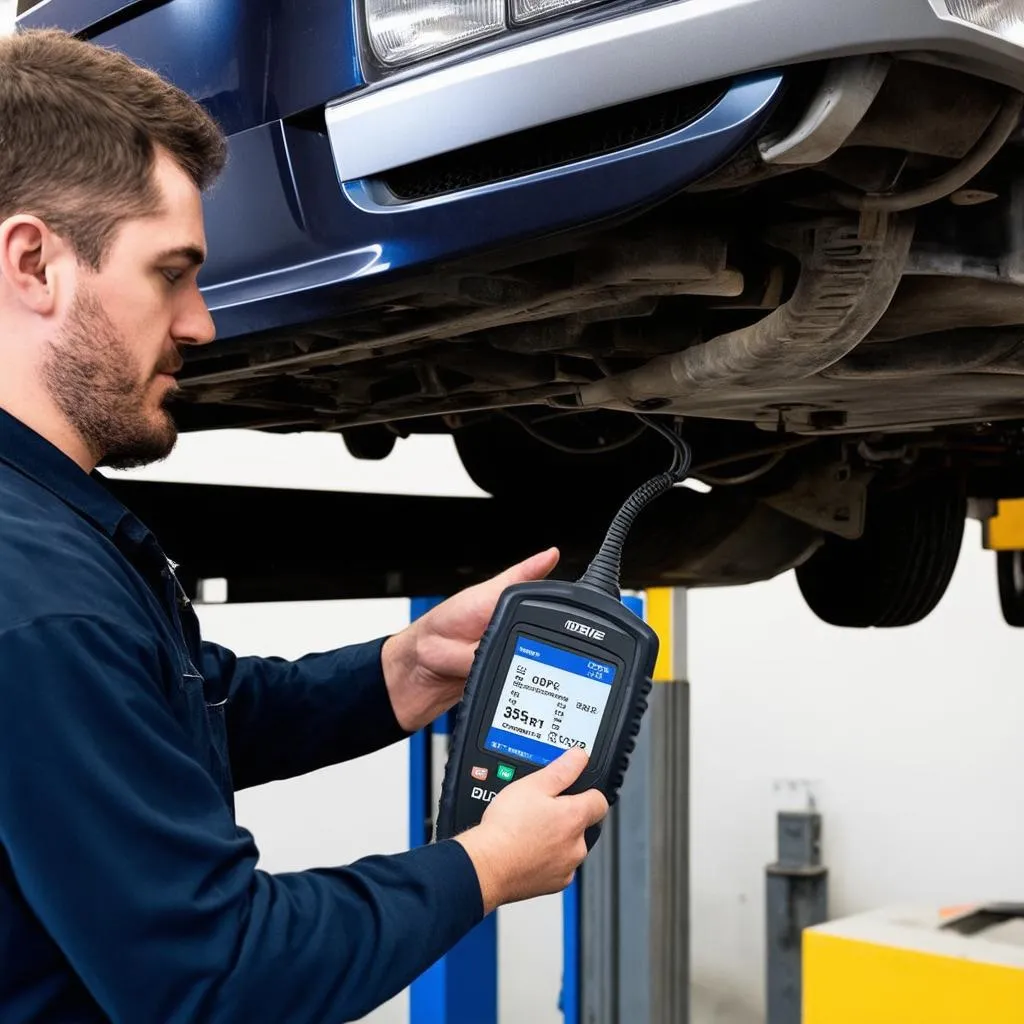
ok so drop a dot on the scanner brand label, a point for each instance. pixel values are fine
(578, 627)
(479, 793)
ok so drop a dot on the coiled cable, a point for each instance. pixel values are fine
(604, 571)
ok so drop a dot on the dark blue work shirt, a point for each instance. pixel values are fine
(127, 891)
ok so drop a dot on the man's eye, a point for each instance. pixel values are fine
(172, 275)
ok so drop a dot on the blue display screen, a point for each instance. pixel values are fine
(552, 699)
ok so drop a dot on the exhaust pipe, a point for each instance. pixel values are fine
(850, 272)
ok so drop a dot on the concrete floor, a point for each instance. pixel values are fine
(709, 1006)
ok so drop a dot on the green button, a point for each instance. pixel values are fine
(506, 772)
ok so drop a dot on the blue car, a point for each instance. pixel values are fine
(795, 224)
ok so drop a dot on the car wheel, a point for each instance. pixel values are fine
(1010, 567)
(898, 570)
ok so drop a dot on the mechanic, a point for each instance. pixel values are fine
(127, 890)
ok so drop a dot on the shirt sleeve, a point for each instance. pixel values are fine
(127, 853)
(287, 718)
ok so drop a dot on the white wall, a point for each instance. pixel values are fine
(909, 741)
(7, 9)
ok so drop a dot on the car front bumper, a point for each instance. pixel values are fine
(316, 250)
(664, 48)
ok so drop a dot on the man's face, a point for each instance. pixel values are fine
(111, 369)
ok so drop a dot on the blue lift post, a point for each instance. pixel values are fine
(462, 987)
(570, 1001)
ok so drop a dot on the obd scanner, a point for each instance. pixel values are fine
(560, 665)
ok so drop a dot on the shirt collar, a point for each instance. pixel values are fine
(36, 458)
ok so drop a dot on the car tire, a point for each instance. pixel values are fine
(899, 569)
(1010, 570)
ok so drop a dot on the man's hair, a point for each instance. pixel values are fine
(79, 127)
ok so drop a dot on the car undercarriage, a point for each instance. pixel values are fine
(836, 316)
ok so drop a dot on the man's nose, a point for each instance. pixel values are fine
(194, 326)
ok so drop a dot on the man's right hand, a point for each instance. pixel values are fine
(530, 840)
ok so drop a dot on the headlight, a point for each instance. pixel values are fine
(1002, 17)
(401, 31)
(527, 10)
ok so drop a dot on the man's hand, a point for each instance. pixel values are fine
(531, 840)
(426, 665)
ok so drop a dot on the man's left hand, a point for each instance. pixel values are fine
(426, 665)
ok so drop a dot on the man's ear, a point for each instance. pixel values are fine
(30, 255)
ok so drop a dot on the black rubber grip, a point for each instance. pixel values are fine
(618, 772)
(444, 827)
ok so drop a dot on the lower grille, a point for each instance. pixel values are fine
(552, 145)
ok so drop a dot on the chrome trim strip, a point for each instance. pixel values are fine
(744, 102)
(653, 51)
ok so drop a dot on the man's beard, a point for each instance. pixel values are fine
(94, 378)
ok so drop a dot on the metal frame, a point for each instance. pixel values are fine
(796, 898)
(277, 544)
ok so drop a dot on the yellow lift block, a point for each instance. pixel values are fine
(1005, 530)
(908, 966)
(1003, 533)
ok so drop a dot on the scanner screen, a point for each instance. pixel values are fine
(552, 699)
